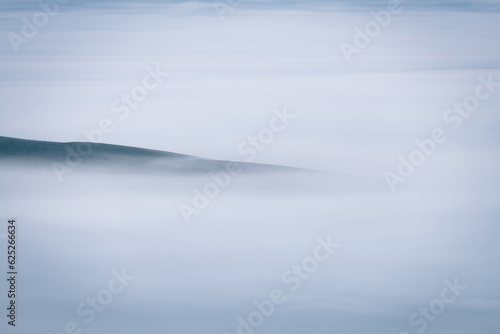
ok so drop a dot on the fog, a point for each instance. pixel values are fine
(366, 175)
(395, 251)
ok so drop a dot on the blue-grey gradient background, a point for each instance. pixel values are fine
(226, 76)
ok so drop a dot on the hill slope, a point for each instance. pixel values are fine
(86, 154)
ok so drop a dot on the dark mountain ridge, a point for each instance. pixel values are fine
(116, 156)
